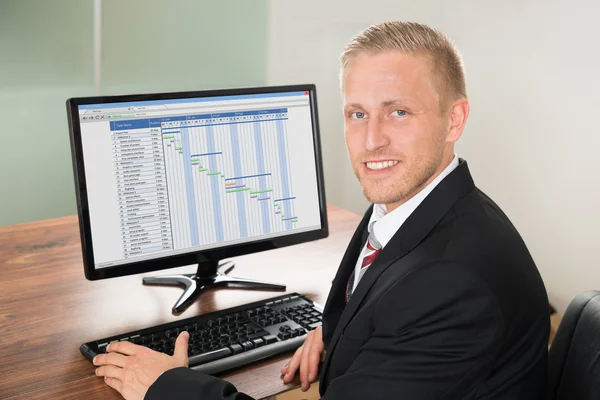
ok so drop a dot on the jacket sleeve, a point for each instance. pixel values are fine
(436, 334)
(187, 384)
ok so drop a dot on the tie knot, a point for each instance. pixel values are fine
(372, 242)
(373, 249)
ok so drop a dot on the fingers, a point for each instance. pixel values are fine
(181, 348)
(110, 371)
(293, 360)
(129, 349)
(304, 361)
(114, 383)
(290, 369)
(110, 359)
(314, 355)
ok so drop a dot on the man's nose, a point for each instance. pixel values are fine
(376, 137)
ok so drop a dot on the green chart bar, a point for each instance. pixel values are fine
(237, 190)
(262, 191)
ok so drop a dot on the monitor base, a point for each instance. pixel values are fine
(210, 274)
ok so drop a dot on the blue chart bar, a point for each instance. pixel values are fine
(208, 154)
(262, 180)
(215, 182)
(237, 169)
(285, 181)
(191, 198)
(247, 176)
(233, 172)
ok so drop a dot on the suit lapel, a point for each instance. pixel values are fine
(420, 223)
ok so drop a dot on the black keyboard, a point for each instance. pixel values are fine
(227, 339)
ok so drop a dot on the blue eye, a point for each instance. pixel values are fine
(400, 113)
(358, 115)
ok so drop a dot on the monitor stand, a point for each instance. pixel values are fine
(210, 274)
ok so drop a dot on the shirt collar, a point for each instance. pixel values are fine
(389, 223)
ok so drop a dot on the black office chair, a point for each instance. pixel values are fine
(574, 359)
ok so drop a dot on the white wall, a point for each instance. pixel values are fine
(532, 138)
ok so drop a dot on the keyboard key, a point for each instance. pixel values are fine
(255, 335)
(258, 342)
(315, 325)
(247, 345)
(269, 339)
(236, 348)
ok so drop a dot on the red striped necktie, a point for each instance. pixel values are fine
(371, 252)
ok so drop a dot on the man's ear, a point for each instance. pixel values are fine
(457, 118)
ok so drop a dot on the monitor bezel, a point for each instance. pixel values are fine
(193, 257)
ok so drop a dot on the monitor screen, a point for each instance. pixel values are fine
(170, 175)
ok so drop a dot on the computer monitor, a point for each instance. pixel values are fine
(171, 179)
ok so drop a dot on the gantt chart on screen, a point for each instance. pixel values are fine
(183, 175)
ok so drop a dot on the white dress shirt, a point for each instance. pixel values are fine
(384, 225)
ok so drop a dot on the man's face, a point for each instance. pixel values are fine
(395, 132)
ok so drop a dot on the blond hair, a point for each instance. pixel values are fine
(413, 38)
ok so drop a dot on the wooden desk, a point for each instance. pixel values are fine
(48, 308)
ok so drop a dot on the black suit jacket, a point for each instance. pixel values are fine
(452, 308)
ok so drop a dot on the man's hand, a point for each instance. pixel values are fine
(307, 357)
(131, 369)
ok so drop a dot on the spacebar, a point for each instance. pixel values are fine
(247, 357)
(207, 357)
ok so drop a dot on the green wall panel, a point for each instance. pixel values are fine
(46, 53)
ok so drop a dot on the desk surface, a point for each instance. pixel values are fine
(48, 308)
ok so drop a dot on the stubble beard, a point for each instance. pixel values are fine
(398, 189)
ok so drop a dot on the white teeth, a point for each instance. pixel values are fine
(381, 164)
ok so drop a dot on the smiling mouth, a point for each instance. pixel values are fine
(379, 165)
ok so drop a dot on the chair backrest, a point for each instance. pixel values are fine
(574, 359)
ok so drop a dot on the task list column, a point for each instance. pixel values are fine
(141, 187)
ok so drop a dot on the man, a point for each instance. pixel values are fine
(437, 296)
